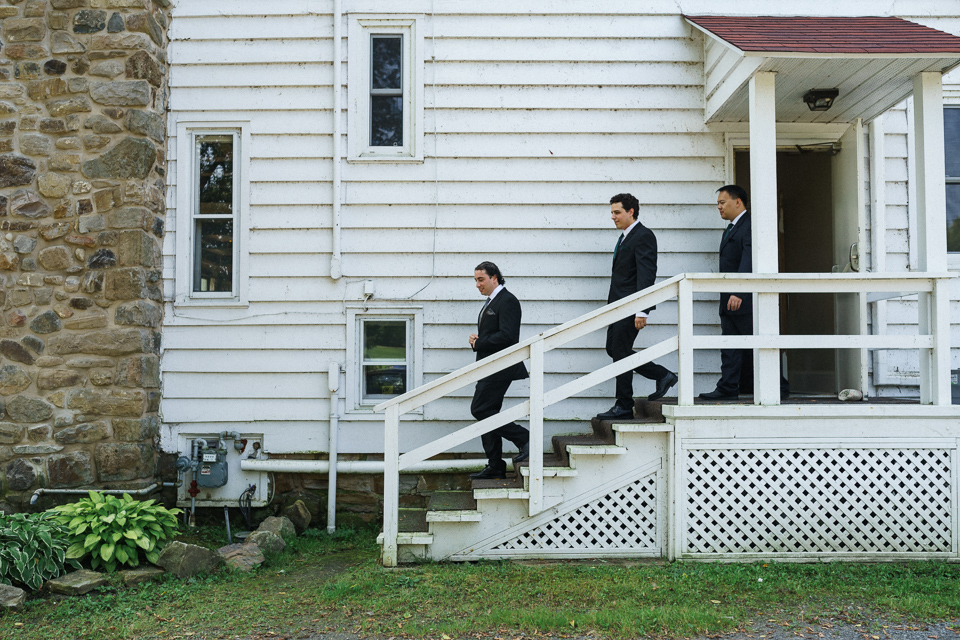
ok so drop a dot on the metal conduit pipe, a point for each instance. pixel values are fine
(333, 383)
(335, 267)
(133, 492)
(361, 466)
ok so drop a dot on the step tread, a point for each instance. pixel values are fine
(417, 537)
(452, 501)
(465, 515)
(412, 520)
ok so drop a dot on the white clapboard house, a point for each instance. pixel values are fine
(366, 155)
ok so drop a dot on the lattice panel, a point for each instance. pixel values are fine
(818, 501)
(624, 519)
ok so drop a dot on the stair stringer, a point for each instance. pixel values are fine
(624, 517)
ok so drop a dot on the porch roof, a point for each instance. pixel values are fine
(871, 60)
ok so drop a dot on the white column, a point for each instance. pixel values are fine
(684, 343)
(391, 486)
(931, 227)
(763, 215)
(535, 445)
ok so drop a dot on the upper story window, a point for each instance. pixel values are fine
(385, 88)
(951, 139)
(212, 185)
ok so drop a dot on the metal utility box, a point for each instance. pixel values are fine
(214, 460)
(954, 386)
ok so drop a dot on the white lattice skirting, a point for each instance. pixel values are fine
(809, 501)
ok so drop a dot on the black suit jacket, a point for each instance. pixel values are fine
(736, 256)
(635, 264)
(498, 327)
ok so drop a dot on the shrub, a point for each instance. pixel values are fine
(32, 549)
(113, 531)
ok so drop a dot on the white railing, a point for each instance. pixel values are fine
(932, 340)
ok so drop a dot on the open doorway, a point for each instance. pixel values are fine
(806, 245)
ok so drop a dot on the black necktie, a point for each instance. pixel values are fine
(617, 248)
(727, 232)
(480, 317)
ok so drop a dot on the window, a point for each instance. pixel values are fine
(951, 139)
(212, 183)
(386, 348)
(385, 89)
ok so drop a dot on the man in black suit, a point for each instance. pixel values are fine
(634, 269)
(498, 327)
(736, 309)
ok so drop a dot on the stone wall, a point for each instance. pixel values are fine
(83, 97)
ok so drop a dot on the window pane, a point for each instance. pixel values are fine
(386, 121)
(213, 253)
(953, 217)
(216, 174)
(386, 57)
(384, 379)
(951, 141)
(385, 340)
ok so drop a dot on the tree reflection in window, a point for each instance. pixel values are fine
(951, 140)
(213, 217)
(386, 91)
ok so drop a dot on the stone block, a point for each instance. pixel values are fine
(242, 557)
(187, 560)
(279, 526)
(299, 515)
(91, 223)
(102, 259)
(26, 409)
(12, 598)
(38, 433)
(68, 4)
(125, 284)
(31, 280)
(27, 203)
(49, 361)
(24, 29)
(69, 470)
(139, 313)
(58, 20)
(145, 23)
(89, 362)
(20, 297)
(119, 41)
(81, 303)
(146, 123)
(13, 379)
(64, 162)
(56, 258)
(139, 371)
(89, 21)
(28, 51)
(268, 541)
(129, 218)
(141, 65)
(24, 244)
(7, 127)
(101, 377)
(21, 475)
(36, 449)
(130, 158)
(50, 379)
(116, 462)
(46, 322)
(46, 89)
(16, 170)
(115, 25)
(15, 351)
(63, 42)
(94, 320)
(54, 185)
(136, 430)
(100, 123)
(77, 583)
(52, 125)
(93, 142)
(82, 433)
(92, 282)
(107, 69)
(54, 67)
(136, 247)
(62, 107)
(135, 93)
(11, 433)
(140, 575)
(34, 343)
(55, 230)
(35, 145)
(110, 402)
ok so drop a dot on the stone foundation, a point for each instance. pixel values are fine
(82, 196)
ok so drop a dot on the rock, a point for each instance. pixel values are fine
(56, 378)
(89, 362)
(26, 203)
(25, 409)
(81, 303)
(54, 185)
(139, 313)
(24, 244)
(242, 557)
(144, 429)
(149, 124)
(268, 541)
(83, 241)
(34, 343)
(139, 371)
(63, 42)
(11, 433)
(77, 104)
(145, 23)
(299, 515)
(117, 462)
(13, 379)
(90, 223)
(15, 351)
(82, 433)
(107, 69)
(142, 66)
(16, 170)
(112, 42)
(28, 51)
(55, 258)
(55, 230)
(113, 402)
(115, 25)
(68, 470)
(55, 67)
(46, 322)
(89, 21)
(77, 583)
(36, 449)
(93, 282)
(53, 125)
(9, 262)
(12, 598)
(125, 284)
(35, 145)
(102, 124)
(108, 342)
(140, 575)
(46, 89)
(280, 526)
(15, 318)
(121, 93)
(68, 4)
(187, 560)
(95, 320)
(20, 475)
(38, 433)
(24, 29)
(102, 259)
(136, 247)
(130, 158)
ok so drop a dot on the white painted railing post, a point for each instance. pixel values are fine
(685, 342)
(536, 428)
(391, 485)
(939, 312)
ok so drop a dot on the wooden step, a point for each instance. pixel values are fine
(412, 520)
(417, 537)
(452, 506)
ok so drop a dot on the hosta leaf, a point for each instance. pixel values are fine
(121, 555)
(91, 541)
(44, 537)
(110, 518)
(145, 543)
(106, 551)
(83, 527)
(152, 556)
(133, 534)
(76, 550)
(115, 536)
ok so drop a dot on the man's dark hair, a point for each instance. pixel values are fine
(628, 202)
(736, 192)
(492, 271)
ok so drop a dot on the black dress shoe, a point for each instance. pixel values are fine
(489, 473)
(663, 385)
(718, 395)
(616, 413)
(522, 456)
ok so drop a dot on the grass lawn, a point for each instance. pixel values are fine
(333, 584)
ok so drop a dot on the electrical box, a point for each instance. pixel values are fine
(212, 460)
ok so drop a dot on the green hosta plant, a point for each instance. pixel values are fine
(113, 531)
(32, 549)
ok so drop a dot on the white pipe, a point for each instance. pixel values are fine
(335, 270)
(333, 382)
(360, 466)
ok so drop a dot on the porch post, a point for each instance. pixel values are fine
(763, 208)
(931, 229)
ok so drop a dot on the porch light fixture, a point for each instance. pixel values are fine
(820, 99)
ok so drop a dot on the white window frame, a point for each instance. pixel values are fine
(360, 29)
(187, 134)
(355, 406)
(953, 257)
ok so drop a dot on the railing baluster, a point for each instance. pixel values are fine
(684, 343)
(536, 428)
(940, 356)
(391, 485)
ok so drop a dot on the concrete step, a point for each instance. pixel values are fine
(452, 506)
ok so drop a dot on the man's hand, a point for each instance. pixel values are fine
(639, 322)
(733, 304)
(472, 339)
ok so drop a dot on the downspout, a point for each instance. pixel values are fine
(333, 382)
(335, 270)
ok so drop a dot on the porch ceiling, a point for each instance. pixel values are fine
(872, 61)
